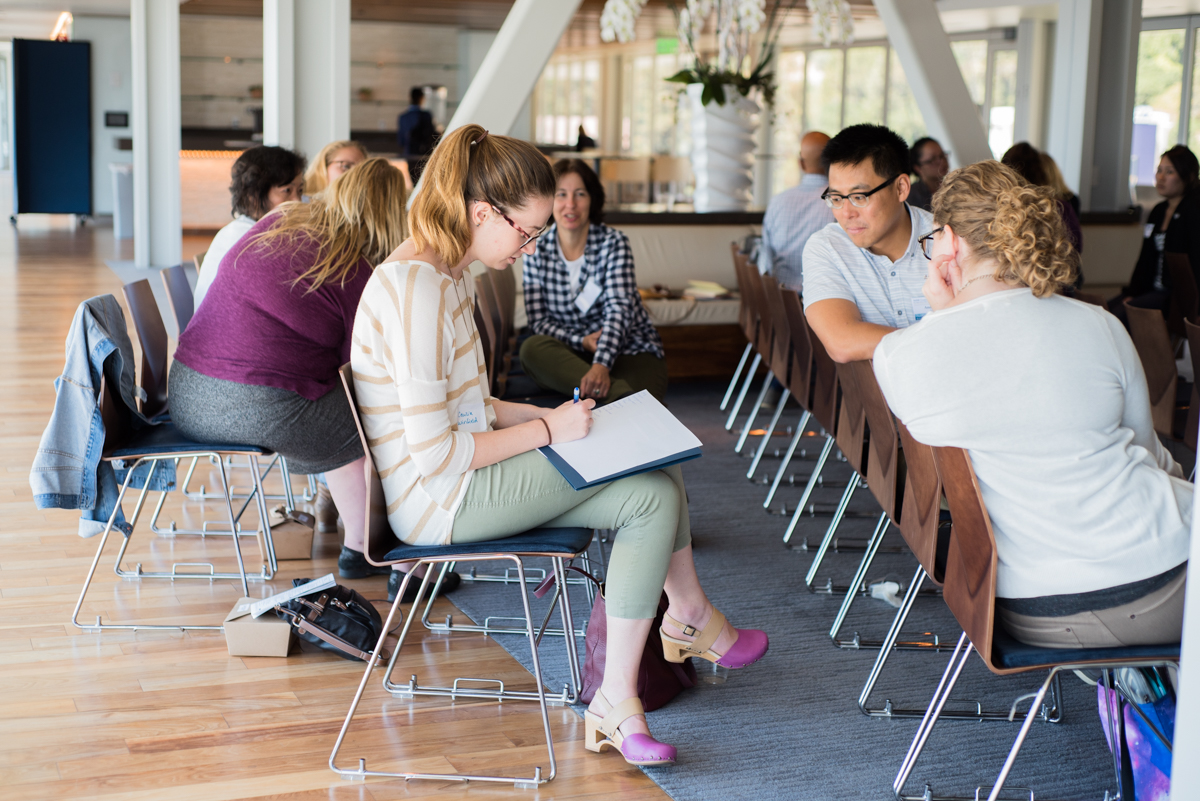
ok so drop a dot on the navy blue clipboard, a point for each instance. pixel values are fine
(577, 482)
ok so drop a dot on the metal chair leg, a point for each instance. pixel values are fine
(813, 478)
(733, 382)
(801, 427)
(811, 576)
(858, 584)
(737, 407)
(762, 394)
(766, 440)
(1021, 735)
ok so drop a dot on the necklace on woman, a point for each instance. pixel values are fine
(973, 280)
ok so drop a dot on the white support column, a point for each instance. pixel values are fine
(279, 72)
(157, 228)
(1034, 40)
(513, 64)
(306, 73)
(1089, 132)
(915, 31)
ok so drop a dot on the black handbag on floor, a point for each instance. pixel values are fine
(338, 620)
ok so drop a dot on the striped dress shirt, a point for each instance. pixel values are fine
(422, 389)
(792, 217)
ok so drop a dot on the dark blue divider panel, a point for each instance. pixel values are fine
(52, 123)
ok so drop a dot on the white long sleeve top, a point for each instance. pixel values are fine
(1049, 398)
(422, 389)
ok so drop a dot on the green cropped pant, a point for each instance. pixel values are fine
(555, 366)
(649, 512)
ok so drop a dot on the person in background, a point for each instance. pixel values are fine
(794, 215)
(930, 164)
(459, 466)
(583, 141)
(863, 276)
(1173, 227)
(416, 134)
(259, 363)
(335, 159)
(263, 178)
(1026, 161)
(1092, 517)
(1057, 184)
(590, 328)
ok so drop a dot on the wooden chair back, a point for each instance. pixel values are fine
(883, 444)
(1185, 298)
(970, 581)
(179, 293)
(1193, 420)
(800, 374)
(198, 259)
(487, 318)
(671, 169)
(825, 384)
(750, 288)
(380, 538)
(152, 335)
(922, 502)
(851, 433)
(1148, 329)
(781, 340)
(505, 283)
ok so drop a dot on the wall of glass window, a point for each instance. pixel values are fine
(1166, 110)
(819, 88)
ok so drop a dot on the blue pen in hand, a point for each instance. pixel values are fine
(577, 394)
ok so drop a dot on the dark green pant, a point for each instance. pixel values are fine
(556, 367)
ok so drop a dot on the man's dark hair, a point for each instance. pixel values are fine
(256, 172)
(885, 148)
(915, 153)
(1026, 161)
(591, 183)
(416, 95)
(1185, 164)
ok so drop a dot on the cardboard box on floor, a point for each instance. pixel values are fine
(291, 533)
(266, 635)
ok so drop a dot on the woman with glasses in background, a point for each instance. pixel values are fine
(459, 466)
(590, 328)
(335, 159)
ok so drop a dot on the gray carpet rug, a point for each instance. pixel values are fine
(788, 727)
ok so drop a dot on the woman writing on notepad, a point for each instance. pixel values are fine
(590, 328)
(459, 466)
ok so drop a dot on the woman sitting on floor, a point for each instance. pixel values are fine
(259, 364)
(263, 178)
(334, 160)
(459, 466)
(1047, 394)
(590, 328)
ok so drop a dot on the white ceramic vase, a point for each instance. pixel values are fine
(723, 142)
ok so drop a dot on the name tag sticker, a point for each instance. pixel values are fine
(471, 418)
(921, 307)
(588, 295)
(1149, 230)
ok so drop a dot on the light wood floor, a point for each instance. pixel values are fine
(148, 715)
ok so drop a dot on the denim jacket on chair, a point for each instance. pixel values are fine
(67, 471)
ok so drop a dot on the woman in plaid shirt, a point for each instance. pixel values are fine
(590, 328)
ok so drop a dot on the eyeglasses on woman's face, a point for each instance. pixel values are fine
(926, 242)
(528, 237)
(857, 199)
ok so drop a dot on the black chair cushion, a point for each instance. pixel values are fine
(164, 438)
(565, 541)
(1010, 653)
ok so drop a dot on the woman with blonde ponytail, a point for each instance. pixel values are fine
(1047, 394)
(458, 465)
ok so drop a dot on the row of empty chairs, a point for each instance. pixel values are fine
(910, 482)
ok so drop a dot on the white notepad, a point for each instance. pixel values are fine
(633, 435)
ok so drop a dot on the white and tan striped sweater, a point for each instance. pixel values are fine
(422, 387)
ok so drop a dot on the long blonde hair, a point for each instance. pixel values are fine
(316, 177)
(468, 165)
(1003, 217)
(360, 216)
(1054, 177)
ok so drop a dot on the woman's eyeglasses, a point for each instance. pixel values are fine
(857, 199)
(926, 242)
(528, 236)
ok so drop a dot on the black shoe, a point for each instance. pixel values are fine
(353, 565)
(449, 584)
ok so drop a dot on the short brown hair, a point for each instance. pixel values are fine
(591, 182)
(468, 165)
(1003, 217)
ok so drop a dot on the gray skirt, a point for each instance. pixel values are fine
(314, 436)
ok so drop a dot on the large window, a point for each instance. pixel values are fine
(568, 95)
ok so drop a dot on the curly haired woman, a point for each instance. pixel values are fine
(1047, 394)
